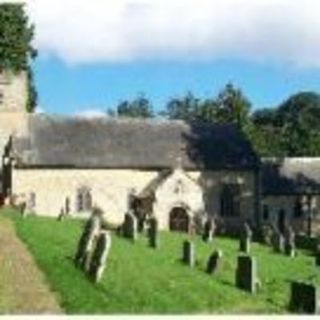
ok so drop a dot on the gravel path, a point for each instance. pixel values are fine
(23, 289)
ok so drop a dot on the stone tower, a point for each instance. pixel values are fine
(13, 92)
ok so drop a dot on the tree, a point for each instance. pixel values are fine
(232, 106)
(16, 50)
(299, 117)
(140, 107)
(183, 108)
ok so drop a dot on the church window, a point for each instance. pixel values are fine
(84, 199)
(230, 200)
(32, 200)
(1, 96)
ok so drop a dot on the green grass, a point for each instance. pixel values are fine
(139, 279)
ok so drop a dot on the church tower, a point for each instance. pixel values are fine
(13, 91)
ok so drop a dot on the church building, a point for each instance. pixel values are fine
(175, 171)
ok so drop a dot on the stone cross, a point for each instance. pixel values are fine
(246, 274)
(305, 298)
(245, 239)
(153, 233)
(130, 226)
(290, 242)
(100, 255)
(214, 262)
(208, 231)
(188, 253)
(87, 242)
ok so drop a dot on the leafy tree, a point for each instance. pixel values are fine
(232, 106)
(140, 107)
(183, 108)
(16, 50)
(299, 117)
(291, 129)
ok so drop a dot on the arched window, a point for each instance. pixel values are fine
(230, 200)
(84, 199)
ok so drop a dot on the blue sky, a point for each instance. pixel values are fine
(95, 53)
(74, 89)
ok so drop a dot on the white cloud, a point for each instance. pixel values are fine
(82, 31)
(91, 114)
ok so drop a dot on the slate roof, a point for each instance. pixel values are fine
(290, 176)
(114, 143)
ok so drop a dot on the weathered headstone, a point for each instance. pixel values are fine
(61, 215)
(208, 232)
(153, 233)
(278, 242)
(266, 234)
(87, 242)
(317, 258)
(130, 226)
(214, 262)
(23, 210)
(246, 274)
(245, 238)
(188, 253)
(100, 255)
(305, 298)
(290, 247)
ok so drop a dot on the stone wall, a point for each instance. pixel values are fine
(287, 203)
(110, 190)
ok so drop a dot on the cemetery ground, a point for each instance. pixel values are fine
(140, 279)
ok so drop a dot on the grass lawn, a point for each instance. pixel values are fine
(139, 279)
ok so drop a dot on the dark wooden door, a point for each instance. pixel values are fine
(281, 220)
(179, 220)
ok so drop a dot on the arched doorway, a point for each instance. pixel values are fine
(179, 220)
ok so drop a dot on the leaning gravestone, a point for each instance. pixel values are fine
(153, 233)
(305, 298)
(188, 253)
(246, 274)
(130, 226)
(100, 255)
(87, 242)
(245, 239)
(214, 262)
(208, 231)
(290, 247)
(278, 242)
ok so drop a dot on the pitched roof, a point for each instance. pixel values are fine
(113, 143)
(290, 176)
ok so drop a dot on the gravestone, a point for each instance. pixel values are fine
(290, 247)
(153, 233)
(245, 238)
(278, 242)
(246, 274)
(61, 215)
(208, 232)
(100, 255)
(87, 242)
(214, 262)
(188, 253)
(305, 298)
(23, 210)
(317, 259)
(130, 226)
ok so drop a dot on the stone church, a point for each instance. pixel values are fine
(175, 171)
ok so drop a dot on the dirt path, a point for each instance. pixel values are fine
(23, 289)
